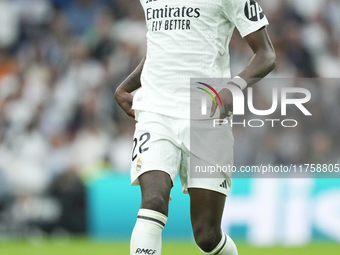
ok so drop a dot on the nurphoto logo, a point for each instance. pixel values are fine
(239, 104)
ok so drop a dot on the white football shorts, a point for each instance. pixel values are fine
(163, 143)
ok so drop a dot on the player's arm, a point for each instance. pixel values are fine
(123, 94)
(262, 63)
(264, 59)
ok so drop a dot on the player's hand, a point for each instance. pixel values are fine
(226, 109)
(124, 99)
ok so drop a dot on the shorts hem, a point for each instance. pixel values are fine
(135, 181)
(224, 192)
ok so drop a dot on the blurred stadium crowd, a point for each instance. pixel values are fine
(60, 62)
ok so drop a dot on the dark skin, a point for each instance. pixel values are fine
(123, 92)
(262, 63)
(206, 206)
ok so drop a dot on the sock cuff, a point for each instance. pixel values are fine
(152, 216)
(219, 247)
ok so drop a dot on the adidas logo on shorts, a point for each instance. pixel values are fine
(224, 185)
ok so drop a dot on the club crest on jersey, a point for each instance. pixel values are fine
(139, 165)
(253, 11)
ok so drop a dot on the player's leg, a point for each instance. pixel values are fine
(206, 209)
(147, 234)
(155, 165)
(208, 146)
(155, 187)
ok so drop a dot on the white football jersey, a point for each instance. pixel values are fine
(189, 39)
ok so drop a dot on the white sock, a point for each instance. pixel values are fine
(225, 247)
(147, 235)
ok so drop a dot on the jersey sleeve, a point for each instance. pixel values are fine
(246, 15)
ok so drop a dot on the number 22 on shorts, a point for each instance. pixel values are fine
(143, 139)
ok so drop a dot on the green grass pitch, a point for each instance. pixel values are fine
(89, 247)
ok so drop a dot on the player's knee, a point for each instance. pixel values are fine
(156, 202)
(207, 238)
